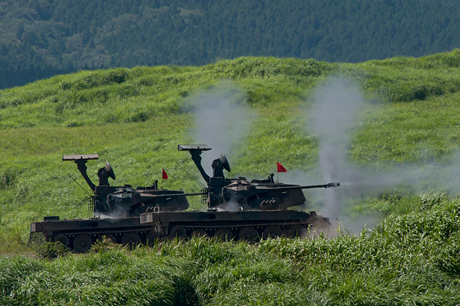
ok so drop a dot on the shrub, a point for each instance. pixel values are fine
(51, 250)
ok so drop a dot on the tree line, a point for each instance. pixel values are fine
(42, 38)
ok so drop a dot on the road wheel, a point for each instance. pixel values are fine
(62, 239)
(297, 231)
(152, 238)
(249, 234)
(199, 233)
(224, 234)
(272, 232)
(82, 243)
(110, 237)
(131, 240)
(177, 232)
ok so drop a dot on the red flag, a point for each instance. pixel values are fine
(280, 168)
(164, 175)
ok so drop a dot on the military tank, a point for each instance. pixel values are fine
(116, 211)
(238, 208)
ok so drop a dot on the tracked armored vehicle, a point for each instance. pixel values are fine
(239, 209)
(116, 211)
(236, 209)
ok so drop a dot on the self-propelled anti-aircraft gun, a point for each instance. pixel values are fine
(240, 209)
(264, 194)
(125, 201)
(117, 211)
(236, 209)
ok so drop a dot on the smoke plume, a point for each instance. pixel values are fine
(332, 118)
(222, 120)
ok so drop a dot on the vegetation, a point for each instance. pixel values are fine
(407, 128)
(43, 38)
(410, 259)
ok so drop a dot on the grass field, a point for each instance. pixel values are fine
(387, 130)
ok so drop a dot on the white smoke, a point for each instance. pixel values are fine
(118, 213)
(336, 105)
(231, 205)
(222, 120)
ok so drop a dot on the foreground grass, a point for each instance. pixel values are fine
(406, 260)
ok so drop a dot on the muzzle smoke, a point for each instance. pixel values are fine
(333, 115)
(222, 120)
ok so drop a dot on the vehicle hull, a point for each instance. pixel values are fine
(80, 234)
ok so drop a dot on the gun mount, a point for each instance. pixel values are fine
(125, 201)
(265, 194)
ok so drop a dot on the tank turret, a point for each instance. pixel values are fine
(125, 201)
(242, 194)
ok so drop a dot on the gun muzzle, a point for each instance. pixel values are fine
(335, 184)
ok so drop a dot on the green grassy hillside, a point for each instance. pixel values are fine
(393, 127)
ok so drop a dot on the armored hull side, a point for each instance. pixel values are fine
(238, 225)
(80, 234)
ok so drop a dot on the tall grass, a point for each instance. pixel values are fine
(133, 118)
(109, 278)
(407, 79)
(407, 260)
